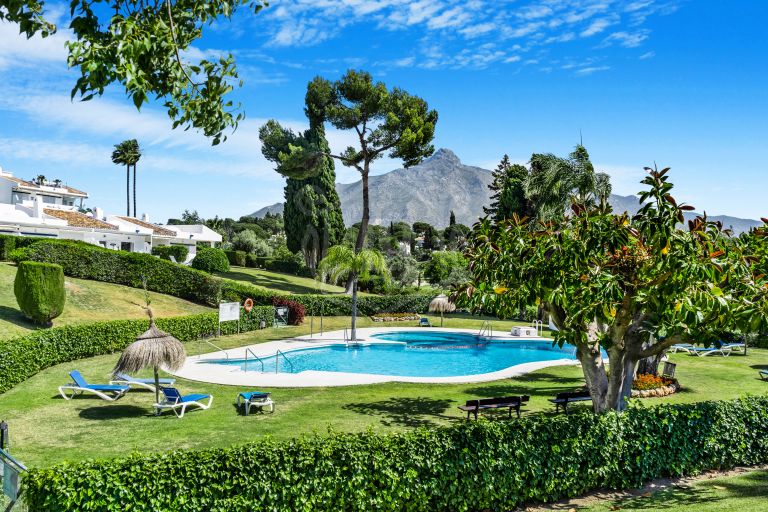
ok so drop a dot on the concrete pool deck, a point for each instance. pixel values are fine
(197, 368)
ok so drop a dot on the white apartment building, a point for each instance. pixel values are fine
(51, 209)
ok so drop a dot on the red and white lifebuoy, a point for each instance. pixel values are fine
(248, 305)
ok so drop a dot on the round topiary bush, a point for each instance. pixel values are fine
(39, 289)
(209, 259)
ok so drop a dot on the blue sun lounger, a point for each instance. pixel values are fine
(709, 351)
(110, 392)
(249, 399)
(764, 374)
(124, 379)
(174, 401)
(682, 347)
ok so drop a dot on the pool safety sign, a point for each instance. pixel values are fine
(229, 311)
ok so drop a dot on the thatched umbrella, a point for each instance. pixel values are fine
(443, 305)
(154, 348)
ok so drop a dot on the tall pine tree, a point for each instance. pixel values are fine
(508, 191)
(312, 214)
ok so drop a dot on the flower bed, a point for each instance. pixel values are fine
(394, 317)
(646, 385)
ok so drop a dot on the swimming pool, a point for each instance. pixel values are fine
(410, 354)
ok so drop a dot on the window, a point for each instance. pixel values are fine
(19, 197)
(48, 199)
(126, 246)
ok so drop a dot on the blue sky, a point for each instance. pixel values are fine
(678, 82)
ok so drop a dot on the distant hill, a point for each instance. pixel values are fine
(429, 191)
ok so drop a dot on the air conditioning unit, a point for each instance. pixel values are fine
(524, 331)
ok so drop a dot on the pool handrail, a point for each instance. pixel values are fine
(486, 329)
(255, 357)
(277, 360)
(204, 340)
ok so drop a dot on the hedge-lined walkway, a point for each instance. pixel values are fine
(45, 429)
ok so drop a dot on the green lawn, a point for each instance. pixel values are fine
(747, 492)
(45, 429)
(280, 282)
(88, 301)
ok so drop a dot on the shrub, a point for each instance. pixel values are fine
(503, 463)
(39, 290)
(296, 310)
(179, 252)
(441, 264)
(7, 245)
(251, 260)
(236, 258)
(287, 262)
(24, 356)
(210, 259)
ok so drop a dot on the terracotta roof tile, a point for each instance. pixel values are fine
(78, 220)
(35, 185)
(158, 230)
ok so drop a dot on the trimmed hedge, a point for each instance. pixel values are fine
(88, 261)
(179, 252)
(24, 356)
(10, 242)
(210, 259)
(471, 466)
(39, 290)
(237, 258)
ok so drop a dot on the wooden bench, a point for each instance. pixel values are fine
(563, 399)
(510, 402)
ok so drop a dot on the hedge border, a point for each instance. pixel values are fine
(24, 356)
(471, 466)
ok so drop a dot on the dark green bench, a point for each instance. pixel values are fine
(563, 399)
(510, 402)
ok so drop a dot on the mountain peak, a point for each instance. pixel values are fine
(446, 156)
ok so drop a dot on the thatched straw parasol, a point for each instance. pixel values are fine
(441, 304)
(154, 349)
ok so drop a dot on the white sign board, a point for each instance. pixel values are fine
(229, 311)
(9, 474)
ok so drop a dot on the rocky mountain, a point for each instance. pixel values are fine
(429, 191)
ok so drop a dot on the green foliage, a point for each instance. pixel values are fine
(441, 264)
(403, 269)
(139, 45)
(612, 281)
(508, 194)
(210, 259)
(25, 356)
(7, 245)
(39, 290)
(179, 252)
(480, 465)
(247, 241)
(236, 257)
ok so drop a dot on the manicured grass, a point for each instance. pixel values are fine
(286, 283)
(747, 492)
(88, 301)
(45, 429)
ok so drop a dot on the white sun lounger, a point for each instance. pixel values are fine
(110, 392)
(178, 404)
(124, 379)
(255, 399)
(711, 351)
(681, 347)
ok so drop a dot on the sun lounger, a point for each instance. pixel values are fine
(255, 399)
(506, 402)
(110, 392)
(124, 379)
(178, 404)
(681, 347)
(735, 347)
(563, 399)
(424, 322)
(709, 351)
(764, 374)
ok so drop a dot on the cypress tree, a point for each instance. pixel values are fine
(312, 214)
(508, 191)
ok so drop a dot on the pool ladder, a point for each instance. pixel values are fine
(486, 330)
(285, 358)
(204, 339)
(257, 358)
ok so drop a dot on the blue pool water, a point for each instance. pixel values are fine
(421, 354)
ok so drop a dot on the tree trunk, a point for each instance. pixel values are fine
(128, 190)
(135, 214)
(622, 366)
(594, 374)
(354, 308)
(650, 365)
(360, 242)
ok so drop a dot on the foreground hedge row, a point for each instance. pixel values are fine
(24, 356)
(471, 466)
(88, 261)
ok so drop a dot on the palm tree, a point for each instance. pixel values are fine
(128, 153)
(343, 262)
(554, 182)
